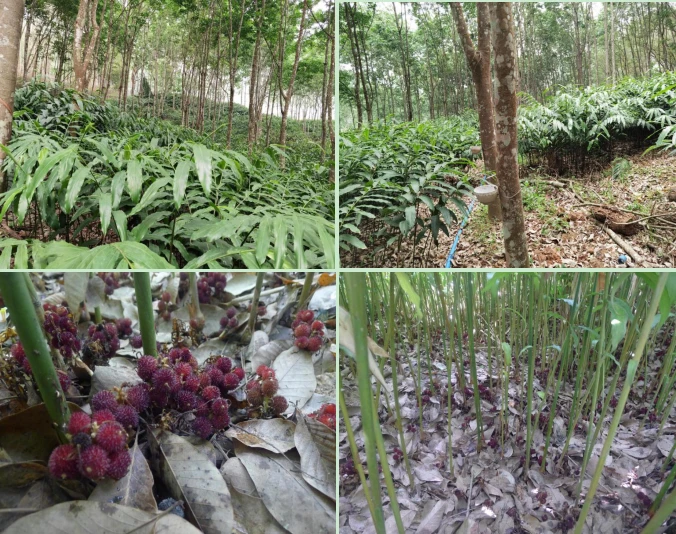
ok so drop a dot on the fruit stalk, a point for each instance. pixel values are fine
(146, 315)
(18, 300)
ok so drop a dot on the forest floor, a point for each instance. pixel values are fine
(561, 231)
(490, 491)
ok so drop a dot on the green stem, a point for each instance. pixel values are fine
(632, 366)
(146, 315)
(305, 292)
(356, 287)
(18, 300)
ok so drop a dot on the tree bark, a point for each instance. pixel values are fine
(479, 62)
(255, 76)
(86, 29)
(11, 19)
(504, 48)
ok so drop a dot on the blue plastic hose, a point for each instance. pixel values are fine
(454, 246)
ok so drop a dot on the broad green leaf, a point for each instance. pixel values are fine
(263, 239)
(105, 210)
(203, 165)
(181, 181)
(74, 187)
(117, 188)
(134, 179)
(279, 230)
(150, 195)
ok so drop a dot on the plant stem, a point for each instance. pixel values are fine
(356, 286)
(194, 299)
(632, 366)
(146, 315)
(305, 293)
(18, 300)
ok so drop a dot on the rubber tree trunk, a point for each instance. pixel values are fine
(479, 62)
(86, 28)
(507, 165)
(11, 17)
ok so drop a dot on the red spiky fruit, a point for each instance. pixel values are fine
(111, 436)
(230, 381)
(186, 400)
(265, 372)
(302, 342)
(278, 405)
(305, 315)
(231, 312)
(79, 422)
(64, 380)
(63, 462)
(215, 375)
(328, 420)
(219, 407)
(202, 427)
(210, 393)
(138, 397)
(93, 462)
(127, 416)
(317, 325)
(165, 379)
(147, 365)
(118, 465)
(219, 422)
(102, 416)
(104, 400)
(136, 342)
(224, 364)
(191, 383)
(314, 343)
(302, 330)
(269, 387)
(183, 369)
(239, 372)
(253, 393)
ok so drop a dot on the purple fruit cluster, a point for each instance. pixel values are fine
(307, 331)
(61, 330)
(103, 342)
(261, 392)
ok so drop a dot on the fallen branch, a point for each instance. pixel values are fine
(638, 260)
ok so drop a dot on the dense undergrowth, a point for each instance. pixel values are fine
(388, 172)
(92, 187)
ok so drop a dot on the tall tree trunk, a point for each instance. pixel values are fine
(606, 41)
(612, 42)
(504, 47)
(479, 62)
(11, 19)
(286, 96)
(255, 76)
(86, 29)
(234, 53)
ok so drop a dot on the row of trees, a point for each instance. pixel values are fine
(406, 60)
(196, 56)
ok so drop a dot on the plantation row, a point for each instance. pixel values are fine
(92, 187)
(395, 173)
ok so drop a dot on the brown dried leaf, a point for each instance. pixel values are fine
(275, 435)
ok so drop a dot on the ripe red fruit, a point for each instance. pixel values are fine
(239, 372)
(233, 323)
(306, 315)
(278, 405)
(191, 383)
(183, 369)
(223, 364)
(317, 325)
(253, 394)
(93, 462)
(164, 379)
(302, 330)
(329, 408)
(314, 343)
(166, 296)
(79, 422)
(230, 381)
(118, 465)
(186, 400)
(102, 416)
(328, 420)
(219, 422)
(127, 416)
(147, 365)
(138, 397)
(111, 436)
(202, 427)
(64, 380)
(104, 400)
(265, 372)
(269, 387)
(215, 375)
(136, 342)
(63, 462)
(231, 312)
(302, 342)
(210, 393)
(219, 407)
